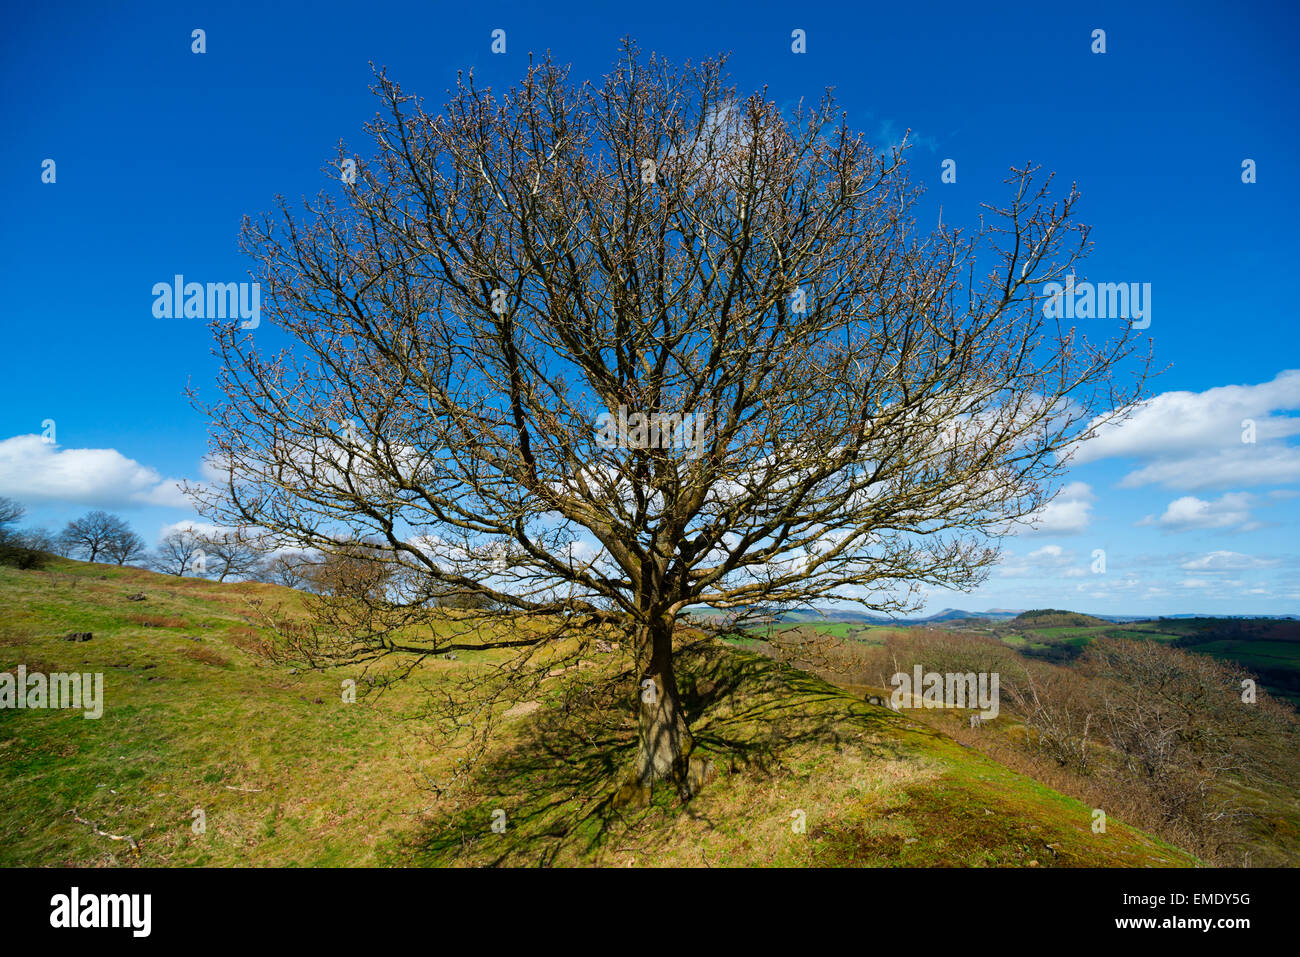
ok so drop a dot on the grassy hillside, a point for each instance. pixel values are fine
(286, 772)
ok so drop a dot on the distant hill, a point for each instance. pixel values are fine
(806, 616)
(1036, 618)
(1055, 618)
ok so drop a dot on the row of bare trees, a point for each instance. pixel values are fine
(1175, 735)
(1174, 725)
(223, 554)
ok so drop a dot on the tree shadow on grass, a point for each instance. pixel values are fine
(551, 796)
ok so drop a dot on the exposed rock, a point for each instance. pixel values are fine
(138, 596)
(78, 636)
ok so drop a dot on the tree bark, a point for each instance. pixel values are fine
(664, 741)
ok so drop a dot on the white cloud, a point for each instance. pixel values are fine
(1239, 465)
(1228, 511)
(1194, 440)
(186, 525)
(1067, 514)
(1222, 561)
(1048, 561)
(1185, 422)
(34, 471)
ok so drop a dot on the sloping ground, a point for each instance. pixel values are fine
(284, 771)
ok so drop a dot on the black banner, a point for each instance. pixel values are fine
(930, 908)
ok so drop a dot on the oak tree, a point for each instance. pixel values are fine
(817, 398)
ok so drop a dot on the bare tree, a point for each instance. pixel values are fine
(94, 534)
(289, 570)
(23, 548)
(10, 512)
(1180, 723)
(599, 355)
(1060, 712)
(179, 553)
(232, 552)
(125, 547)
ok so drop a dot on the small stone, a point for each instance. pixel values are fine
(78, 636)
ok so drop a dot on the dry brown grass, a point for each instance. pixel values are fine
(157, 621)
(207, 656)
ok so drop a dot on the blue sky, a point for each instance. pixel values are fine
(159, 152)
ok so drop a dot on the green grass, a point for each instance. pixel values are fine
(867, 634)
(287, 773)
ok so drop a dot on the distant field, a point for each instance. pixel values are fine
(1283, 653)
(1269, 647)
(870, 634)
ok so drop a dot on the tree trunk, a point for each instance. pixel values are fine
(664, 741)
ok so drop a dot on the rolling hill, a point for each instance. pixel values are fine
(201, 727)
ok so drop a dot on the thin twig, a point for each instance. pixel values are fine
(135, 848)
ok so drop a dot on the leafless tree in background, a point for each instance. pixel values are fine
(125, 547)
(10, 512)
(22, 548)
(178, 553)
(93, 534)
(289, 570)
(232, 552)
(878, 401)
